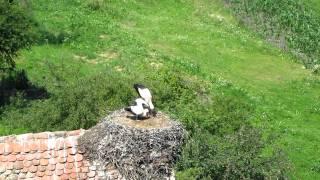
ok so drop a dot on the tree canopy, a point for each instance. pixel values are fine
(16, 31)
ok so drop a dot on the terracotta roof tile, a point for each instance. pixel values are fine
(48, 172)
(48, 155)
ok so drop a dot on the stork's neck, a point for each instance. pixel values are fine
(150, 104)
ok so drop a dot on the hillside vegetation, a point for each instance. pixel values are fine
(290, 24)
(241, 98)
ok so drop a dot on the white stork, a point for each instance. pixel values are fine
(140, 110)
(145, 94)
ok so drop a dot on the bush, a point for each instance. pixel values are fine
(236, 156)
(73, 106)
(16, 31)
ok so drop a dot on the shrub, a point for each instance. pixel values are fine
(235, 156)
(74, 106)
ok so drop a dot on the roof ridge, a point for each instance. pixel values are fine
(41, 135)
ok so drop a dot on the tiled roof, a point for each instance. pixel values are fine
(48, 155)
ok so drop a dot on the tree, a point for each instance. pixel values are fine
(17, 30)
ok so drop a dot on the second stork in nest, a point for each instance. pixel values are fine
(143, 107)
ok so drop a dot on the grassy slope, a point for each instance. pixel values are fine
(200, 32)
(207, 35)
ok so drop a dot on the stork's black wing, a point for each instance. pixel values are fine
(127, 109)
(137, 87)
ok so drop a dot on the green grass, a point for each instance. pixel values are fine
(128, 33)
(221, 47)
(315, 4)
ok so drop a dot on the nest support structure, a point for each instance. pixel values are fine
(136, 152)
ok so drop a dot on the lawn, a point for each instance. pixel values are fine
(203, 33)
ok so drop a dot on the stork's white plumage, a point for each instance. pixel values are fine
(141, 102)
(140, 109)
(145, 94)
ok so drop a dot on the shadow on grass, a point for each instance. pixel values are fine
(16, 81)
(55, 37)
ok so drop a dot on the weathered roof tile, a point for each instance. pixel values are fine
(47, 177)
(33, 169)
(30, 157)
(44, 162)
(24, 170)
(20, 157)
(9, 165)
(53, 160)
(73, 175)
(46, 155)
(36, 162)
(51, 167)
(2, 168)
(12, 158)
(27, 163)
(40, 173)
(22, 176)
(69, 165)
(30, 175)
(82, 176)
(7, 149)
(78, 164)
(3, 158)
(62, 159)
(59, 172)
(26, 148)
(72, 151)
(78, 157)
(59, 166)
(84, 169)
(33, 146)
(70, 159)
(18, 165)
(42, 168)
(48, 173)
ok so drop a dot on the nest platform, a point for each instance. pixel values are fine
(139, 149)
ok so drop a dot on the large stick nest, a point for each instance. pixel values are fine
(144, 149)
